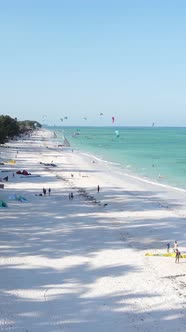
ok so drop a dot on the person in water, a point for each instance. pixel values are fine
(98, 188)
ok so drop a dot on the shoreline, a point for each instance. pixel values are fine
(133, 175)
(158, 173)
(171, 192)
(80, 264)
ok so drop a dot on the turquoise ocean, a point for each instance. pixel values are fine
(154, 153)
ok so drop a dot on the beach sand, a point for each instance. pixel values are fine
(80, 265)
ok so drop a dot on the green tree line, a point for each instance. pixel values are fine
(10, 128)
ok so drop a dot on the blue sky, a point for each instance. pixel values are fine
(79, 58)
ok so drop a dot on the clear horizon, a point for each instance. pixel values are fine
(79, 59)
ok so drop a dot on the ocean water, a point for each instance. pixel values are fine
(157, 154)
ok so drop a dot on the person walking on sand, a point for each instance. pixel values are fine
(44, 191)
(175, 246)
(168, 247)
(49, 191)
(71, 196)
(98, 188)
(177, 256)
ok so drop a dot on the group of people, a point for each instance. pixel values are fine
(70, 196)
(175, 250)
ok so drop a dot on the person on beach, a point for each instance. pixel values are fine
(71, 196)
(168, 247)
(175, 246)
(98, 188)
(44, 191)
(49, 191)
(177, 256)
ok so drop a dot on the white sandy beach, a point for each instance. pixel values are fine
(80, 265)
